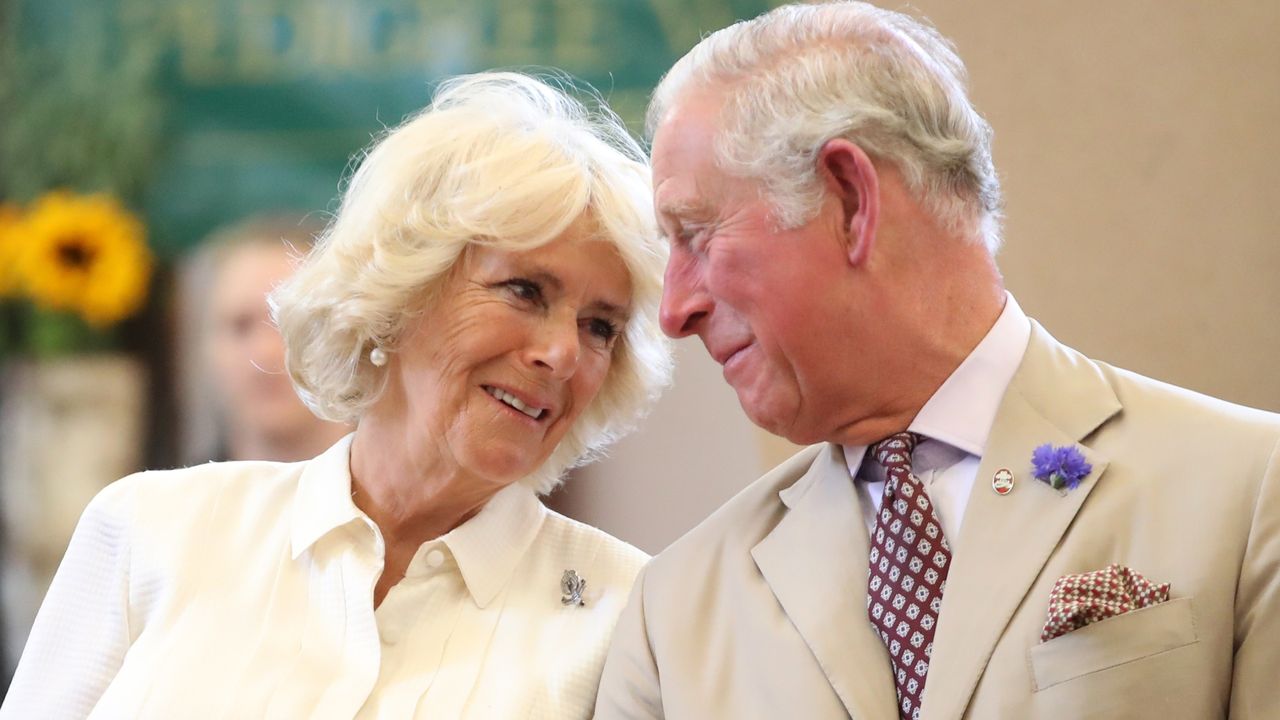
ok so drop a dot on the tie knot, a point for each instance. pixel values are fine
(895, 450)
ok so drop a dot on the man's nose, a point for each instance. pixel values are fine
(685, 301)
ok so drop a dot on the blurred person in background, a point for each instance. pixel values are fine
(484, 310)
(239, 403)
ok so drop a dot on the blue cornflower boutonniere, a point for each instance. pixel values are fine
(1060, 467)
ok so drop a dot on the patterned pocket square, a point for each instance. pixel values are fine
(1084, 599)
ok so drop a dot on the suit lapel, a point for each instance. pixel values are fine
(815, 562)
(1057, 396)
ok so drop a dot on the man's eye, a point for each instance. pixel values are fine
(526, 290)
(694, 238)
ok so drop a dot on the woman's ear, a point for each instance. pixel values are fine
(851, 176)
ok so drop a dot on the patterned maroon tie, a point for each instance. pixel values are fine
(908, 573)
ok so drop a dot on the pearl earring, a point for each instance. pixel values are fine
(378, 357)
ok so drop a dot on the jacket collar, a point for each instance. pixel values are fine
(1059, 397)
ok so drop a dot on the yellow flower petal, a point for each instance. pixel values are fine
(84, 254)
(10, 217)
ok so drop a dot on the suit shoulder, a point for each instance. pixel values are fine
(740, 523)
(1179, 409)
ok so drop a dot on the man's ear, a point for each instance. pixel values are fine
(851, 176)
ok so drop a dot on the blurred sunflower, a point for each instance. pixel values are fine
(84, 254)
(10, 216)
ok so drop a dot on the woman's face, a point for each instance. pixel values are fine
(512, 350)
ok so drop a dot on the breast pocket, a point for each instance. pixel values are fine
(1113, 642)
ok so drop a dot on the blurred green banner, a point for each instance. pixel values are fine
(203, 111)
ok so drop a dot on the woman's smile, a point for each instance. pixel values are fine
(529, 409)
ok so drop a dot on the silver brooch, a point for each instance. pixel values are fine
(571, 587)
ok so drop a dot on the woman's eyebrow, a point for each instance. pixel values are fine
(552, 281)
(610, 309)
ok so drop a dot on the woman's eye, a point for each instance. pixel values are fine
(526, 290)
(603, 329)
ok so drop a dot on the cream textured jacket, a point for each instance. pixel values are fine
(245, 590)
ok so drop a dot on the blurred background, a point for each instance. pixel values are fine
(153, 155)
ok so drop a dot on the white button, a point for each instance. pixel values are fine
(435, 558)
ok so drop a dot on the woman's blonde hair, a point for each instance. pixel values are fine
(500, 159)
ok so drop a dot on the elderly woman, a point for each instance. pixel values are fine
(484, 309)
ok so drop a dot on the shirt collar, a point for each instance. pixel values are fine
(487, 547)
(490, 545)
(962, 409)
(324, 496)
(323, 501)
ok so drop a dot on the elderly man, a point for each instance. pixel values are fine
(990, 524)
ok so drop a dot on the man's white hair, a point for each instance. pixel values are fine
(801, 75)
(497, 159)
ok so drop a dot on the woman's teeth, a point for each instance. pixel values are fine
(514, 402)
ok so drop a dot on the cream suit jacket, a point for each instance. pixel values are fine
(760, 611)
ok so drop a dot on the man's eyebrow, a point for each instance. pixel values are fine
(682, 208)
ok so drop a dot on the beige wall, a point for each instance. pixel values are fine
(1139, 143)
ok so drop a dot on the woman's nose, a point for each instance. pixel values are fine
(556, 347)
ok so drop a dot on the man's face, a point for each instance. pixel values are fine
(758, 296)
